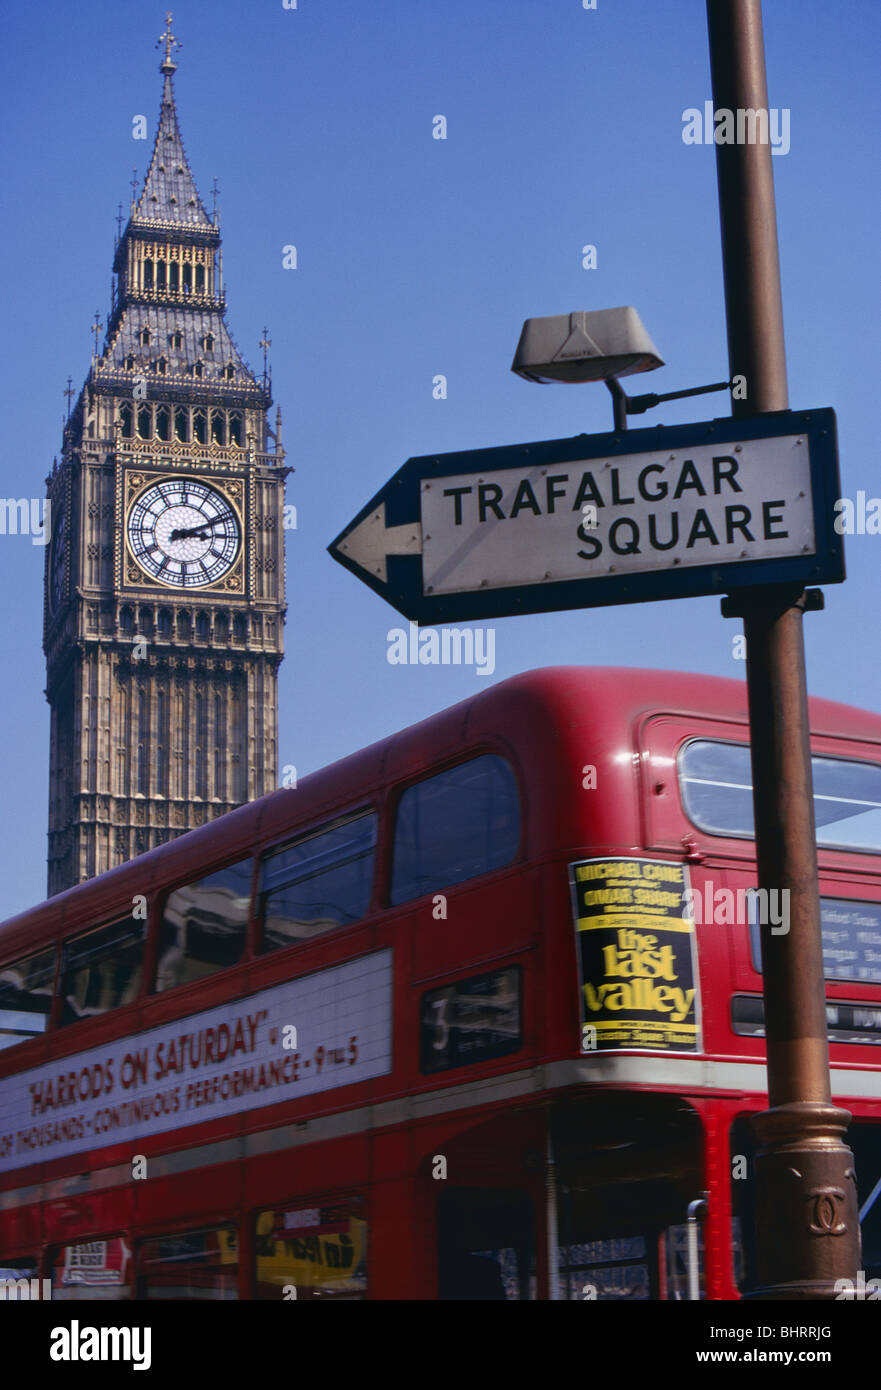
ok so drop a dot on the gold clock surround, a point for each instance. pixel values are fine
(233, 490)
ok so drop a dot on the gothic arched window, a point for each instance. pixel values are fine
(180, 425)
(163, 422)
(164, 624)
(201, 750)
(235, 429)
(145, 422)
(219, 747)
(179, 732)
(203, 627)
(127, 417)
(217, 427)
(162, 742)
(123, 737)
(200, 426)
(143, 769)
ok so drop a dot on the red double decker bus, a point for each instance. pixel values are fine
(474, 1013)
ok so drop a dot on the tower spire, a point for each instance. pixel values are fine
(169, 194)
(168, 39)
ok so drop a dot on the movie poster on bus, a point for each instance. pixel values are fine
(636, 955)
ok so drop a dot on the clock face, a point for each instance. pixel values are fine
(183, 532)
(57, 556)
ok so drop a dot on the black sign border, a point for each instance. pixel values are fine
(401, 499)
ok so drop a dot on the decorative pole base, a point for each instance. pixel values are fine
(807, 1217)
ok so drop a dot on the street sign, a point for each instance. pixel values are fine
(670, 512)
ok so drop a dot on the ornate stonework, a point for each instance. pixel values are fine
(163, 690)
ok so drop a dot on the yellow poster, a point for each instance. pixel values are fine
(636, 955)
(326, 1255)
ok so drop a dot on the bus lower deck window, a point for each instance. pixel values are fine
(199, 1264)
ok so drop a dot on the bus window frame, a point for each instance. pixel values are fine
(157, 917)
(158, 1230)
(746, 979)
(396, 792)
(54, 1006)
(659, 737)
(114, 920)
(750, 839)
(265, 851)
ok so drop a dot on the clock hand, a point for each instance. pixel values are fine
(198, 532)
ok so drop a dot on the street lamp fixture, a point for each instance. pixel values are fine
(601, 345)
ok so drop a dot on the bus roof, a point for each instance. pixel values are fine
(528, 708)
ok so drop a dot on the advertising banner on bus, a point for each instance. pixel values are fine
(328, 1029)
(636, 955)
(94, 1264)
(319, 1251)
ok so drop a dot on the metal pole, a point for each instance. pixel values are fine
(806, 1202)
(619, 402)
(551, 1221)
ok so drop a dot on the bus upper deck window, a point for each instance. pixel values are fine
(716, 783)
(204, 925)
(320, 882)
(452, 827)
(102, 970)
(26, 997)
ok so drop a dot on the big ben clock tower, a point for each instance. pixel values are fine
(164, 587)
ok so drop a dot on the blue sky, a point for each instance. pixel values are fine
(419, 257)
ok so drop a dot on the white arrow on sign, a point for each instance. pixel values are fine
(371, 541)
